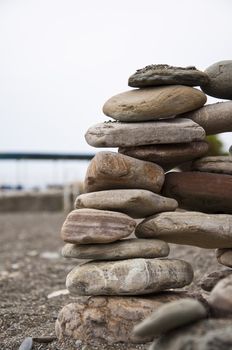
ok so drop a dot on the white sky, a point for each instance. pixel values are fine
(62, 59)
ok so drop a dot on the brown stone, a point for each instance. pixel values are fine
(209, 281)
(109, 170)
(224, 257)
(219, 164)
(220, 297)
(210, 193)
(85, 226)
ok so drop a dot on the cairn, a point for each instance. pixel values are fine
(129, 211)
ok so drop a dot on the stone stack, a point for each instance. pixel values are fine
(155, 130)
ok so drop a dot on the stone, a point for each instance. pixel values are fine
(170, 316)
(129, 277)
(220, 297)
(86, 226)
(105, 319)
(220, 80)
(209, 281)
(209, 334)
(109, 170)
(152, 103)
(176, 130)
(167, 156)
(200, 191)
(27, 344)
(189, 228)
(163, 74)
(135, 203)
(224, 257)
(214, 118)
(124, 249)
(219, 164)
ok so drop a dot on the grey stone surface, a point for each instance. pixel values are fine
(86, 226)
(129, 277)
(220, 80)
(189, 228)
(133, 202)
(224, 257)
(163, 74)
(220, 297)
(173, 130)
(209, 281)
(124, 249)
(219, 164)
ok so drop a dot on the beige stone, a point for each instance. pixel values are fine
(220, 297)
(224, 257)
(209, 281)
(219, 164)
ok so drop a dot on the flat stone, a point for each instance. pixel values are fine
(176, 130)
(124, 249)
(214, 118)
(200, 191)
(153, 103)
(106, 319)
(189, 228)
(135, 203)
(224, 257)
(220, 297)
(167, 156)
(209, 281)
(169, 316)
(86, 226)
(220, 80)
(210, 334)
(163, 74)
(129, 277)
(109, 170)
(220, 165)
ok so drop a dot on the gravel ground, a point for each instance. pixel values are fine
(31, 269)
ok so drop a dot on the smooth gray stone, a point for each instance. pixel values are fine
(170, 316)
(209, 281)
(129, 277)
(124, 249)
(220, 297)
(224, 257)
(27, 344)
(189, 228)
(220, 80)
(214, 118)
(163, 74)
(176, 130)
(135, 203)
(219, 164)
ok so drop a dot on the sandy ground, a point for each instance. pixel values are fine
(31, 269)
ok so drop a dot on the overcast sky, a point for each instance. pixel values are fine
(62, 59)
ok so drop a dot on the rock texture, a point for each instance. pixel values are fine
(163, 74)
(189, 228)
(214, 118)
(209, 281)
(168, 156)
(85, 226)
(220, 164)
(220, 297)
(180, 130)
(135, 203)
(109, 170)
(200, 191)
(224, 257)
(129, 277)
(124, 249)
(153, 103)
(220, 80)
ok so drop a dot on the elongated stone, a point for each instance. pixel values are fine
(168, 156)
(170, 316)
(224, 257)
(218, 165)
(200, 191)
(176, 130)
(129, 277)
(189, 228)
(214, 118)
(153, 103)
(163, 74)
(135, 203)
(209, 281)
(109, 170)
(86, 226)
(124, 249)
(220, 297)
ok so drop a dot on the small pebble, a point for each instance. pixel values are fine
(27, 344)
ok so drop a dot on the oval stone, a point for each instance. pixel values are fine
(129, 277)
(220, 297)
(85, 226)
(224, 256)
(153, 103)
(109, 170)
(220, 165)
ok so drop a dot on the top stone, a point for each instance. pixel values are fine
(153, 103)
(163, 74)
